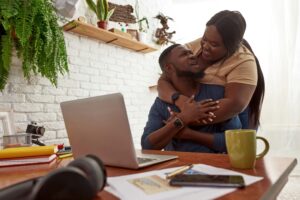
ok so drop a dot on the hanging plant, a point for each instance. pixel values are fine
(31, 27)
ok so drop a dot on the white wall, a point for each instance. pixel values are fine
(96, 68)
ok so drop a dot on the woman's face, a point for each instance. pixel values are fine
(212, 45)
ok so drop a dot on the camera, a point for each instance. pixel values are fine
(36, 132)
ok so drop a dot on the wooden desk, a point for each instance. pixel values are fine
(274, 170)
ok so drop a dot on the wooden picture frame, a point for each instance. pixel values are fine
(133, 33)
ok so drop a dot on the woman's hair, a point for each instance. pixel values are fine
(259, 93)
(231, 25)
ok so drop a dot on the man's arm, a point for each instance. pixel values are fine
(215, 141)
(157, 136)
(161, 137)
(158, 133)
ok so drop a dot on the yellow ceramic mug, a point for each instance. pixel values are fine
(241, 148)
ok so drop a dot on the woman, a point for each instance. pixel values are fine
(229, 61)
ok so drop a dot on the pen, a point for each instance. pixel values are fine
(179, 171)
(65, 155)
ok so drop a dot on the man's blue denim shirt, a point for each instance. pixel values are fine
(159, 112)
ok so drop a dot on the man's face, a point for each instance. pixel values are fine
(212, 45)
(184, 63)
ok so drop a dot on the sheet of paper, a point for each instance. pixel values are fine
(152, 185)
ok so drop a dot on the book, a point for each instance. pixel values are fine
(20, 152)
(27, 160)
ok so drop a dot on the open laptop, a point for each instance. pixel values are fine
(99, 125)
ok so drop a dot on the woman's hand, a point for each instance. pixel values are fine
(193, 112)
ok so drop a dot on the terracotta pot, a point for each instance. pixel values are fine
(102, 24)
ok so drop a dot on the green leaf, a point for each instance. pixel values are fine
(40, 40)
(3, 70)
(110, 13)
(105, 6)
(100, 10)
(24, 21)
(6, 45)
(91, 5)
(3, 76)
(9, 8)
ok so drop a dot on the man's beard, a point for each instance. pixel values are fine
(189, 74)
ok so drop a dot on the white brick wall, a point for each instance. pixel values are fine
(96, 68)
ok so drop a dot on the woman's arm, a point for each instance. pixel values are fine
(236, 98)
(165, 89)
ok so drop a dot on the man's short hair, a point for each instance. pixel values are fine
(164, 56)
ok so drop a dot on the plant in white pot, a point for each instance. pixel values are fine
(143, 23)
(143, 28)
(101, 9)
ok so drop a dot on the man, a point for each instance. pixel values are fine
(169, 129)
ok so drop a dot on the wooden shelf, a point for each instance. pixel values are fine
(89, 30)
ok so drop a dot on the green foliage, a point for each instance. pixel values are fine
(142, 27)
(31, 26)
(101, 9)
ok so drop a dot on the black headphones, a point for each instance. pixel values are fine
(83, 178)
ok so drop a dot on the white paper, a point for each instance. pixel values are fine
(122, 188)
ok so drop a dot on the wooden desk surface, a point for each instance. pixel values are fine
(274, 170)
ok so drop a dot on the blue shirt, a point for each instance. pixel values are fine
(159, 112)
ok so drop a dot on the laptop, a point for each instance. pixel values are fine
(99, 125)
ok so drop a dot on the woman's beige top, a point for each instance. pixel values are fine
(239, 68)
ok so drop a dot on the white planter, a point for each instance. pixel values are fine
(143, 37)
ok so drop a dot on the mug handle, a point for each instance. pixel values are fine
(267, 147)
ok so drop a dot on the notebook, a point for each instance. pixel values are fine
(27, 160)
(16, 152)
(99, 125)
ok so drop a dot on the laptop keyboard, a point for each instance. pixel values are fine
(144, 160)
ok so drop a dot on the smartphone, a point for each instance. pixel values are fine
(208, 180)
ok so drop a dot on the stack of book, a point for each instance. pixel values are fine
(27, 155)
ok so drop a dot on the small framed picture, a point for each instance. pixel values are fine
(6, 123)
(133, 33)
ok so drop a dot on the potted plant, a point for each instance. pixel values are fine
(143, 23)
(143, 27)
(100, 8)
(31, 27)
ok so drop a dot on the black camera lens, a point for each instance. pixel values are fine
(37, 131)
(40, 130)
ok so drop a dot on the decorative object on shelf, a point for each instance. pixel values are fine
(123, 27)
(133, 33)
(82, 19)
(122, 13)
(101, 9)
(163, 37)
(120, 32)
(143, 23)
(31, 26)
(142, 35)
(89, 30)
